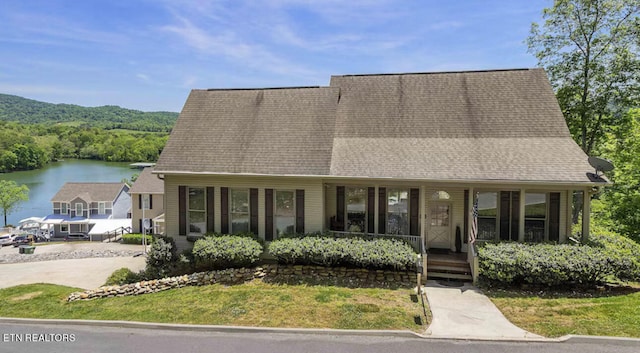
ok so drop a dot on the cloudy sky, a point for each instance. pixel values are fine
(148, 54)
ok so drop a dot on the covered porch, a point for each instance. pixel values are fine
(436, 217)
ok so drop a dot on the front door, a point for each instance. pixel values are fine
(439, 234)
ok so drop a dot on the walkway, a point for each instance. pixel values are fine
(464, 312)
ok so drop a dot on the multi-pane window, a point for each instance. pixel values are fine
(487, 215)
(239, 210)
(79, 210)
(196, 212)
(440, 215)
(102, 208)
(64, 208)
(285, 216)
(146, 203)
(355, 200)
(535, 215)
(397, 211)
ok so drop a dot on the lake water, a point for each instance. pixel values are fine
(44, 183)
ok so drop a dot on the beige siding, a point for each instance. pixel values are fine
(136, 211)
(313, 198)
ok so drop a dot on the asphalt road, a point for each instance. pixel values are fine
(76, 338)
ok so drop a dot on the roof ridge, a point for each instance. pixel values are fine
(439, 72)
(262, 88)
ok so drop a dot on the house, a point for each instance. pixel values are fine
(390, 154)
(147, 197)
(93, 208)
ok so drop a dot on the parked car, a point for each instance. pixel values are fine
(76, 236)
(22, 239)
(6, 239)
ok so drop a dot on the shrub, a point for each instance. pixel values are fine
(135, 239)
(225, 251)
(162, 258)
(544, 264)
(624, 253)
(328, 251)
(123, 276)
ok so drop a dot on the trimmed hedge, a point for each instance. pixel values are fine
(622, 251)
(544, 264)
(328, 251)
(135, 239)
(225, 251)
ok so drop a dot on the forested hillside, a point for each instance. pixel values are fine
(28, 111)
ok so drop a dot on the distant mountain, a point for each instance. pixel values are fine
(29, 111)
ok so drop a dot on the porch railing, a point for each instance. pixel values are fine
(413, 240)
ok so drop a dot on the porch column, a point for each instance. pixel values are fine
(470, 201)
(423, 217)
(521, 217)
(586, 213)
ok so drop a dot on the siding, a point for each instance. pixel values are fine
(313, 198)
(136, 211)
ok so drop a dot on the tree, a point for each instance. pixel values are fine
(589, 49)
(621, 201)
(11, 194)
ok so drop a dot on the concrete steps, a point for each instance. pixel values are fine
(448, 267)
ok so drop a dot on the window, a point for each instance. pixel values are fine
(64, 208)
(398, 211)
(64, 228)
(285, 212)
(196, 212)
(440, 215)
(535, 215)
(487, 215)
(102, 208)
(79, 210)
(239, 210)
(146, 202)
(355, 200)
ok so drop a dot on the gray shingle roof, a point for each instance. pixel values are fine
(482, 125)
(91, 192)
(147, 183)
(263, 131)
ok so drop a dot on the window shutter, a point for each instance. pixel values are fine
(140, 225)
(182, 210)
(466, 216)
(505, 197)
(414, 209)
(554, 216)
(210, 210)
(340, 208)
(268, 214)
(371, 206)
(224, 210)
(300, 211)
(139, 201)
(253, 211)
(515, 215)
(150, 202)
(382, 210)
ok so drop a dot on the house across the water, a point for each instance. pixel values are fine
(389, 154)
(91, 208)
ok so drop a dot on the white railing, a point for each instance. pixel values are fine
(413, 240)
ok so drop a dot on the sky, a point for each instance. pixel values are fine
(148, 54)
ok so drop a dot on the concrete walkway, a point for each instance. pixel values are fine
(464, 312)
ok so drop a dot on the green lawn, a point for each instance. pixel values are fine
(251, 304)
(553, 316)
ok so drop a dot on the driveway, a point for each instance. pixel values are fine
(85, 273)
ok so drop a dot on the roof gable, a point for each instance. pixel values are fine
(147, 183)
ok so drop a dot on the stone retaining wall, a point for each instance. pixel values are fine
(268, 273)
